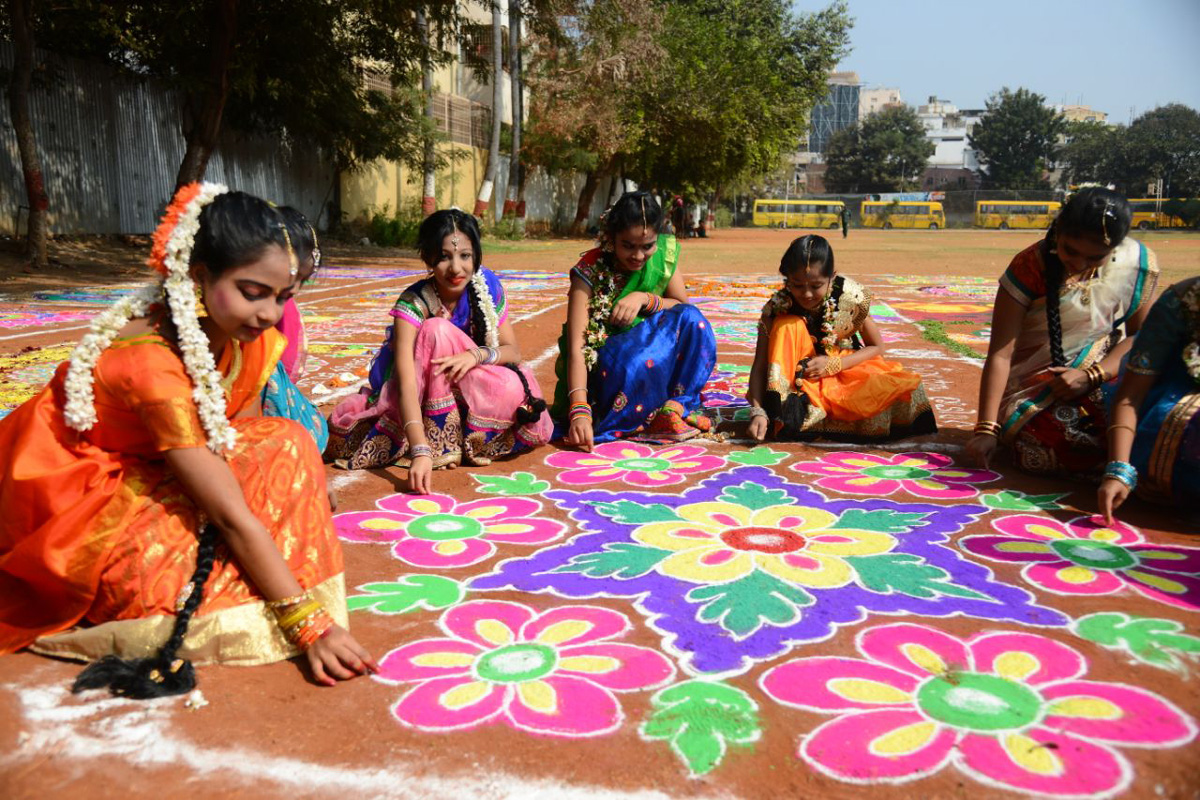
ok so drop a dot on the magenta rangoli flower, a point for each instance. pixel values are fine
(1087, 556)
(552, 673)
(636, 464)
(930, 475)
(1008, 709)
(435, 531)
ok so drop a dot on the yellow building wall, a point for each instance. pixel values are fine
(387, 185)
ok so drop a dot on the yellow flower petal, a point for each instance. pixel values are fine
(1021, 546)
(861, 690)
(724, 515)
(486, 511)
(1016, 666)
(1166, 555)
(467, 694)
(443, 660)
(1044, 531)
(493, 631)
(1032, 756)
(564, 631)
(501, 528)
(1085, 708)
(689, 566)
(904, 740)
(830, 572)
(608, 472)
(1104, 535)
(924, 658)
(862, 543)
(1157, 581)
(449, 547)
(424, 506)
(666, 535)
(539, 696)
(1077, 575)
(593, 665)
(590, 461)
(382, 524)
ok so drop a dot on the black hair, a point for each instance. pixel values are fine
(235, 229)
(303, 236)
(633, 209)
(1095, 213)
(162, 674)
(440, 224)
(810, 249)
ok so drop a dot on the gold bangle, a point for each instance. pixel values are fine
(284, 602)
(1129, 428)
(833, 365)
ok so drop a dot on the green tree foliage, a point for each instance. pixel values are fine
(886, 152)
(1016, 139)
(1163, 143)
(294, 70)
(1091, 153)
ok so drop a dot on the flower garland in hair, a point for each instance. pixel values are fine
(1191, 353)
(491, 334)
(604, 293)
(170, 255)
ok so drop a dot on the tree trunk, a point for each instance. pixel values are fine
(484, 198)
(514, 67)
(206, 110)
(18, 106)
(429, 173)
(586, 194)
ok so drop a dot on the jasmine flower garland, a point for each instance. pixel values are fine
(604, 291)
(484, 297)
(171, 255)
(1191, 353)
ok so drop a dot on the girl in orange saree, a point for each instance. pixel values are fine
(141, 491)
(818, 370)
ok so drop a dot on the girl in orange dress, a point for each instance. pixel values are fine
(818, 367)
(148, 514)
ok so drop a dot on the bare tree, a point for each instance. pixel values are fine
(484, 198)
(514, 64)
(429, 162)
(21, 13)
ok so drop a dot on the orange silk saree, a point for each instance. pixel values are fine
(97, 537)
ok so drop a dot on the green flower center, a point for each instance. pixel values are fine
(516, 663)
(979, 702)
(763, 540)
(643, 464)
(443, 527)
(897, 473)
(1094, 555)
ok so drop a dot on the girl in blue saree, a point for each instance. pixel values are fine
(633, 355)
(1154, 436)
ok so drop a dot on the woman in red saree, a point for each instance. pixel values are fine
(141, 491)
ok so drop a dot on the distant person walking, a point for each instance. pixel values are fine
(845, 221)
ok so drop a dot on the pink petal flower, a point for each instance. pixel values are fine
(1172, 588)
(806, 683)
(1117, 713)
(570, 459)
(860, 484)
(1182, 560)
(637, 667)
(443, 555)
(577, 708)
(577, 477)
(1096, 528)
(935, 488)
(915, 649)
(499, 509)
(1026, 657)
(1031, 526)
(402, 665)
(848, 747)
(379, 527)
(580, 624)
(1063, 577)
(533, 530)
(425, 706)
(416, 505)
(1016, 549)
(651, 480)
(467, 620)
(1050, 763)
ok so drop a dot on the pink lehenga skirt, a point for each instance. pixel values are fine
(472, 421)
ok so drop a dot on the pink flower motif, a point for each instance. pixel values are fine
(553, 673)
(930, 475)
(1008, 709)
(435, 531)
(1087, 556)
(636, 464)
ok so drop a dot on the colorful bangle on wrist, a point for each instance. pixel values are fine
(987, 428)
(1122, 471)
(579, 410)
(418, 450)
(654, 304)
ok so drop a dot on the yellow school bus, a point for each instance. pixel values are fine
(798, 213)
(1147, 214)
(903, 214)
(1005, 214)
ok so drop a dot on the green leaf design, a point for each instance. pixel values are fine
(627, 512)
(430, 592)
(905, 573)
(1152, 641)
(757, 457)
(755, 496)
(745, 605)
(737, 368)
(701, 720)
(881, 520)
(1011, 500)
(518, 483)
(621, 560)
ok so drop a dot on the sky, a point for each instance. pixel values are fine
(1123, 57)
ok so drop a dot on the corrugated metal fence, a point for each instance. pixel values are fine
(111, 146)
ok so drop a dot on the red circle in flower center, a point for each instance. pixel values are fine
(763, 540)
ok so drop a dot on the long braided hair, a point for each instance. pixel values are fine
(1096, 213)
(162, 674)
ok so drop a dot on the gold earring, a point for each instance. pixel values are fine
(201, 311)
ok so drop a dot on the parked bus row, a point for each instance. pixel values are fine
(998, 214)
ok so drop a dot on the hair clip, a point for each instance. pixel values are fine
(293, 262)
(1108, 212)
(316, 252)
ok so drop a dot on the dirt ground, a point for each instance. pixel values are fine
(934, 647)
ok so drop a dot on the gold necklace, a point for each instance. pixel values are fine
(1085, 285)
(235, 368)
